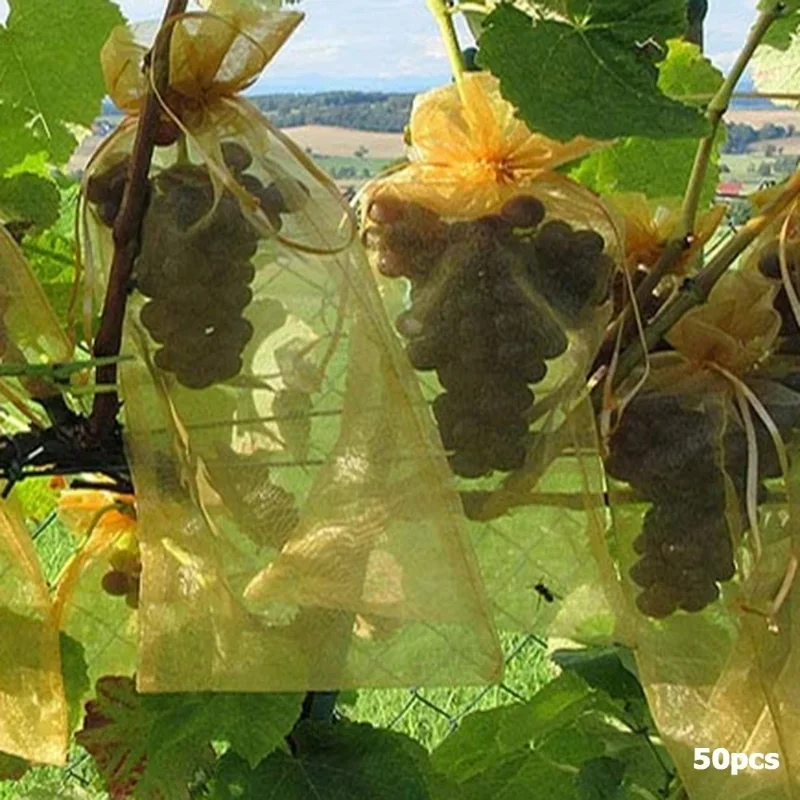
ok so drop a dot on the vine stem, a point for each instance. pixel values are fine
(695, 290)
(714, 113)
(681, 237)
(441, 13)
(127, 229)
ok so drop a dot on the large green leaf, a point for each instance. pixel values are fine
(29, 198)
(660, 168)
(526, 775)
(591, 72)
(154, 744)
(75, 673)
(343, 761)
(571, 732)
(486, 738)
(50, 74)
(777, 71)
(602, 668)
(783, 29)
(601, 779)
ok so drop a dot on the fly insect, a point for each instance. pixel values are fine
(544, 592)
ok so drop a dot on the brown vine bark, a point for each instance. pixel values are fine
(127, 229)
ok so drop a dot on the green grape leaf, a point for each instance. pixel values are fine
(656, 168)
(12, 768)
(134, 749)
(37, 499)
(342, 761)
(687, 75)
(75, 673)
(18, 138)
(292, 409)
(777, 71)
(781, 31)
(153, 744)
(51, 256)
(602, 48)
(602, 668)
(254, 725)
(600, 779)
(50, 68)
(525, 775)
(661, 168)
(485, 738)
(29, 198)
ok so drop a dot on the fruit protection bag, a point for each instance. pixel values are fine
(33, 719)
(297, 525)
(704, 516)
(776, 255)
(498, 275)
(97, 593)
(683, 447)
(30, 333)
(33, 714)
(508, 267)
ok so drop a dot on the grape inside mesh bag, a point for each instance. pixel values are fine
(509, 266)
(297, 526)
(700, 444)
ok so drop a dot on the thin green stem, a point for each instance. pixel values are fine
(680, 238)
(715, 111)
(695, 291)
(447, 30)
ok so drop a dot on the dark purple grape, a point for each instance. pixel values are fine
(658, 601)
(698, 596)
(523, 211)
(236, 156)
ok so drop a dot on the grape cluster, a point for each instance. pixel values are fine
(483, 294)
(124, 575)
(194, 263)
(675, 456)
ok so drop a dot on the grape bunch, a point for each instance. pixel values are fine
(123, 578)
(483, 294)
(675, 456)
(194, 264)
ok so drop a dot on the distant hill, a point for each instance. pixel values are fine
(363, 111)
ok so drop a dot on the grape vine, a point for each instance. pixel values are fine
(293, 448)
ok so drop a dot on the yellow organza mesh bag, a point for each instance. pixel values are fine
(297, 525)
(33, 719)
(29, 330)
(509, 265)
(704, 535)
(776, 254)
(499, 271)
(33, 714)
(683, 446)
(97, 594)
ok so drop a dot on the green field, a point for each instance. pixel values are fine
(351, 168)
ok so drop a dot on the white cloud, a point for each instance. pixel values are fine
(398, 38)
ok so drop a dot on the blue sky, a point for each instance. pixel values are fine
(393, 44)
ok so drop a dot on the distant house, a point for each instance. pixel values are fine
(730, 188)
